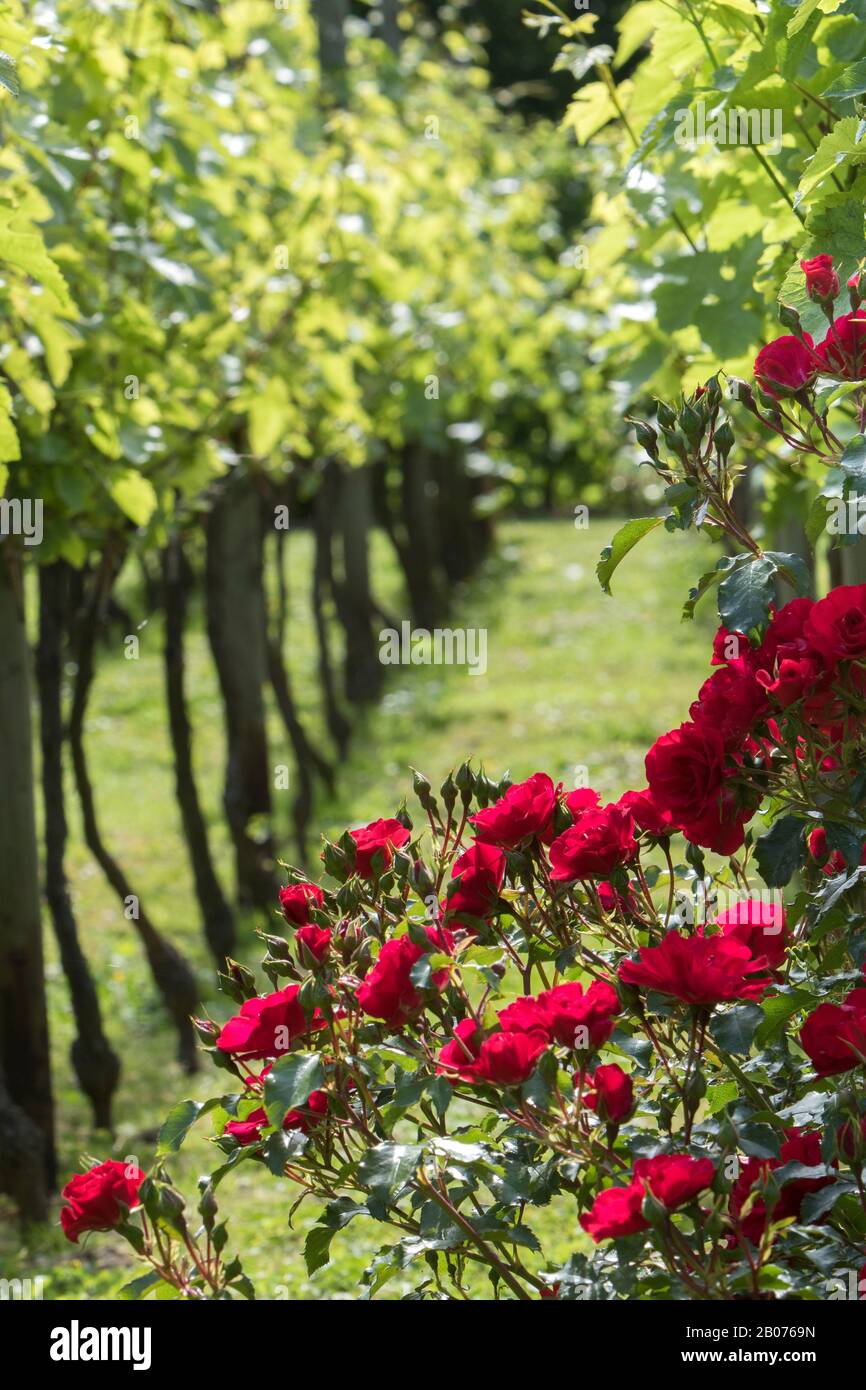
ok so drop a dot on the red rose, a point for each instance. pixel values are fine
(460, 1057)
(616, 1212)
(820, 851)
(794, 677)
(721, 829)
(254, 1082)
(797, 1148)
(508, 1059)
(822, 282)
(760, 926)
(249, 1131)
(752, 1224)
(730, 701)
(315, 940)
(843, 351)
(526, 1015)
(578, 1019)
(785, 366)
(267, 1027)
(686, 772)
(834, 1036)
(647, 815)
(612, 901)
(525, 809)
(476, 880)
(566, 1014)
(674, 1179)
(502, 1059)
(610, 1092)
(730, 648)
(96, 1198)
(295, 902)
(699, 969)
(787, 627)
(387, 992)
(315, 1109)
(379, 837)
(594, 846)
(836, 625)
(581, 800)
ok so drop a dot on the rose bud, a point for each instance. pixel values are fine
(822, 282)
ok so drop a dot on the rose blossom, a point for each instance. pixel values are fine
(95, 1198)
(295, 902)
(581, 800)
(785, 365)
(760, 926)
(594, 846)
(613, 901)
(647, 816)
(829, 863)
(526, 809)
(836, 625)
(730, 700)
(616, 1212)
(561, 1011)
(249, 1131)
(315, 940)
(797, 1148)
(501, 1059)
(476, 879)
(266, 1027)
(822, 282)
(703, 970)
(508, 1059)
(609, 1091)
(687, 772)
(834, 1035)
(379, 837)
(843, 351)
(786, 664)
(673, 1179)
(387, 992)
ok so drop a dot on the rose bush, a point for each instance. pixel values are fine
(517, 996)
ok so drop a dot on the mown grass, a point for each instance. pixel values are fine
(574, 680)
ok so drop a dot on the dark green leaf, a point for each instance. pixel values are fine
(746, 594)
(289, 1083)
(847, 840)
(137, 1288)
(817, 1204)
(317, 1247)
(388, 1167)
(626, 538)
(735, 1029)
(779, 852)
(178, 1123)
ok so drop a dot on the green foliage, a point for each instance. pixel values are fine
(693, 233)
(220, 271)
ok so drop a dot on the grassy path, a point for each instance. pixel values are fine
(574, 680)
